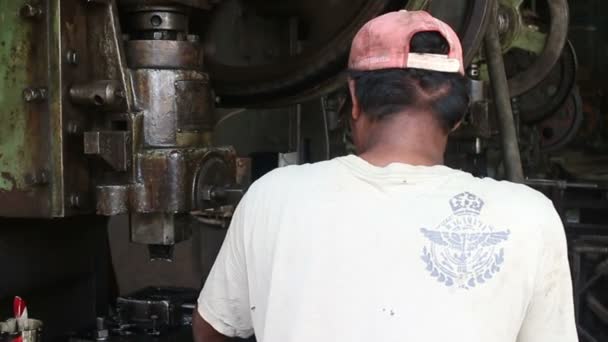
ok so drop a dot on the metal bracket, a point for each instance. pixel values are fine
(110, 146)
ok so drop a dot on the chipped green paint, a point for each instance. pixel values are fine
(17, 124)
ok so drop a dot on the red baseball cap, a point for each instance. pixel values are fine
(384, 43)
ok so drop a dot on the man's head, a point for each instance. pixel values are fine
(406, 64)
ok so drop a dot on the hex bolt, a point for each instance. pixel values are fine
(30, 11)
(34, 94)
(71, 57)
(37, 178)
(75, 201)
(503, 22)
(473, 71)
(193, 38)
(73, 127)
(175, 155)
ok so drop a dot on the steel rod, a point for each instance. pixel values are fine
(502, 100)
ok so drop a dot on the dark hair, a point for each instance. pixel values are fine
(382, 93)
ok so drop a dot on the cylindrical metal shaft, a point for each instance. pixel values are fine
(502, 99)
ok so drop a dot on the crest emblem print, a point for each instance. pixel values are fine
(463, 251)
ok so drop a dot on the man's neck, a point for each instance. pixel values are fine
(406, 139)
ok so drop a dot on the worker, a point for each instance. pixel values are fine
(391, 245)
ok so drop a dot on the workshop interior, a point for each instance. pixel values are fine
(130, 130)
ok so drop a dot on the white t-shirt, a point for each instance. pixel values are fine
(346, 251)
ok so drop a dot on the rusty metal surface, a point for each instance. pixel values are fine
(194, 105)
(106, 45)
(164, 54)
(157, 96)
(159, 18)
(166, 178)
(111, 146)
(112, 200)
(70, 173)
(22, 65)
(167, 181)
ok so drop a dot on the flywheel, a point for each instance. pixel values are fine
(275, 52)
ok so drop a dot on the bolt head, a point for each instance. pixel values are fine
(30, 11)
(71, 57)
(75, 201)
(29, 94)
(73, 127)
(193, 38)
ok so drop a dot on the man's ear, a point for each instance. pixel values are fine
(356, 112)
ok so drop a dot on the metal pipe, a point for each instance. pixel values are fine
(500, 88)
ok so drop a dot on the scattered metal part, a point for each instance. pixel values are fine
(510, 145)
(155, 310)
(215, 217)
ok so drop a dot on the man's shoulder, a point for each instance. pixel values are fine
(301, 176)
(511, 195)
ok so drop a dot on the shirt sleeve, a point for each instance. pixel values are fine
(550, 314)
(224, 300)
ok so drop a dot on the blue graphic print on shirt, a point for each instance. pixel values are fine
(464, 251)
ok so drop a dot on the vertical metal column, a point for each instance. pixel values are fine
(502, 99)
